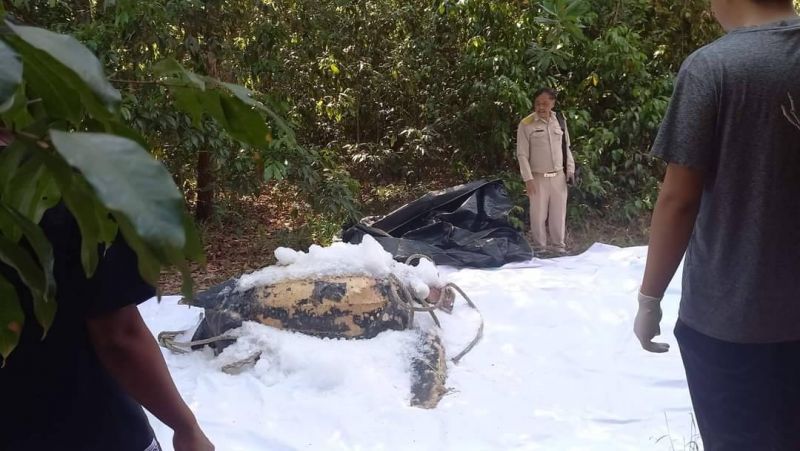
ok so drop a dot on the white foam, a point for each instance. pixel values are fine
(558, 369)
(339, 259)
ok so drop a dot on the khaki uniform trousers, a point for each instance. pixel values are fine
(549, 204)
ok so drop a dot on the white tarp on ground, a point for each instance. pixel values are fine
(558, 369)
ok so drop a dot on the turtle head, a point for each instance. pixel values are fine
(213, 297)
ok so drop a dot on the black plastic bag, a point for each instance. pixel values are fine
(462, 226)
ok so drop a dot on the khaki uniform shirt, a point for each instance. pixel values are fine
(539, 146)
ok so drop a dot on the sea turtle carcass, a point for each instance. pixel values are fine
(346, 307)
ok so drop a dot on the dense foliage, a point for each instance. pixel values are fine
(69, 142)
(397, 90)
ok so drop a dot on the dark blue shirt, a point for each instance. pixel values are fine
(54, 393)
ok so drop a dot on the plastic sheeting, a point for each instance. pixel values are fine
(462, 226)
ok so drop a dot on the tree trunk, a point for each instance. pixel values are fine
(205, 187)
(205, 174)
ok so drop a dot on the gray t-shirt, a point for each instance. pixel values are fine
(741, 278)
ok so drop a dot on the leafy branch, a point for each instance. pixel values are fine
(71, 145)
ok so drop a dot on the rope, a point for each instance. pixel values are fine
(430, 307)
(410, 301)
(479, 335)
(167, 340)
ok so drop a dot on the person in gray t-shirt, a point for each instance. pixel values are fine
(731, 201)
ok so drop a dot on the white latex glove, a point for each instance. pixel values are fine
(646, 326)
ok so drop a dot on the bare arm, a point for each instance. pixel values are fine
(671, 228)
(130, 353)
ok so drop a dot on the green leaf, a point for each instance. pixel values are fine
(129, 181)
(82, 203)
(274, 171)
(12, 318)
(10, 76)
(170, 67)
(39, 279)
(194, 245)
(38, 241)
(195, 95)
(75, 56)
(186, 100)
(108, 225)
(246, 96)
(10, 159)
(15, 256)
(42, 77)
(211, 101)
(244, 123)
(32, 189)
(16, 113)
(148, 260)
(10, 229)
(80, 200)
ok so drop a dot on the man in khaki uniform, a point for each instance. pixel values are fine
(541, 163)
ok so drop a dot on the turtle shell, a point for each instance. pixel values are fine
(333, 307)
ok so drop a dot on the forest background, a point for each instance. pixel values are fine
(386, 100)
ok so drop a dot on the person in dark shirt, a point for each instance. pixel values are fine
(83, 386)
(730, 200)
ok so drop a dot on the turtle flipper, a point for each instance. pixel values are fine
(428, 372)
